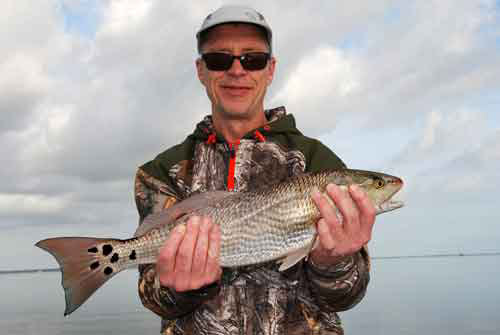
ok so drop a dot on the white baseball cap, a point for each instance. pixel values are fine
(232, 13)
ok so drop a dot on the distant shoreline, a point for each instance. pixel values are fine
(4, 272)
(10, 272)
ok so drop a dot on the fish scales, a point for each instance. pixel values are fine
(265, 224)
(255, 226)
(273, 223)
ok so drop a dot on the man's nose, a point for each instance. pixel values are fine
(236, 68)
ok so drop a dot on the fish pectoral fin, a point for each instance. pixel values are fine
(293, 258)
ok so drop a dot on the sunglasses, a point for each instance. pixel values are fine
(252, 61)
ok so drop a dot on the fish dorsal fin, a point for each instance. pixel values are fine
(170, 215)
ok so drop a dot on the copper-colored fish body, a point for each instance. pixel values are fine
(272, 223)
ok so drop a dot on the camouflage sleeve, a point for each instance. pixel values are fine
(341, 287)
(153, 195)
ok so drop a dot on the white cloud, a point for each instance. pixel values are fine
(324, 73)
(23, 84)
(30, 204)
(490, 149)
(125, 14)
(405, 85)
(429, 136)
(443, 136)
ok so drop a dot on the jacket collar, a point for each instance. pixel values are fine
(278, 121)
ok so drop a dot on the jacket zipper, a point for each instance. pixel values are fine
(232, 164)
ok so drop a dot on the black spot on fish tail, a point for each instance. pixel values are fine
(107, 249)
(93, 250)
(115, 258)
(83, 267)
(133, 255)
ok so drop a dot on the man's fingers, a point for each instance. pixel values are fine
(165, 263)
(346, 206)
(327, 210)
(184, 258)
(200, 254)
(212, 268)
(367, 211)
(325, 236)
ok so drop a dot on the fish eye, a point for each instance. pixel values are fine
(379, 183)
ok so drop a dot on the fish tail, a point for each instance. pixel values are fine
(86, 264)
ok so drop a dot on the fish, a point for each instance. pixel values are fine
(273, 223)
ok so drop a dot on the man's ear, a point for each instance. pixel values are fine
(272, 66)
(200, 70)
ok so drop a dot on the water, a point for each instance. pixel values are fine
(33, 303)
(458, 295)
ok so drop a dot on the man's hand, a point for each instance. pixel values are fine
(338, 239)
(189, 258)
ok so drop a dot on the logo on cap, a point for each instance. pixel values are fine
(251, 16)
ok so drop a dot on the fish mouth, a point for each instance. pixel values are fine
(389, 205)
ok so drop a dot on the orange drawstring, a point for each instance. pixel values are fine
(211, 139)
(259, 136)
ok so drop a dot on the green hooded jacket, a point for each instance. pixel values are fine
(254, 299)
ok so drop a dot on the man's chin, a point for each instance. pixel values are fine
(237, 110)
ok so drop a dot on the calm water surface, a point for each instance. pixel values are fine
(459, 295)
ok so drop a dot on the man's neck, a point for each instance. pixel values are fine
(234, 129)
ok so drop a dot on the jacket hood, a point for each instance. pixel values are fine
(278, 122)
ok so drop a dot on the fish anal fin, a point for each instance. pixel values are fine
(294, 257)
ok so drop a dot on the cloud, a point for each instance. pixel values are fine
(443, 136)
(22, 204)
(23, 85)
(123, 15)
(91, 90)
(326, 77)
(451, 206)
(404, 59)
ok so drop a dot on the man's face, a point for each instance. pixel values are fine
(237, 93)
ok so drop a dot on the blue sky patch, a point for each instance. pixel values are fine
(353, 40)
(81, 17)
(392, 15)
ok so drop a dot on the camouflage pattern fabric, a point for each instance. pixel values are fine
(254, 299)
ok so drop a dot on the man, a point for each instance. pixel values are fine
(239, 147)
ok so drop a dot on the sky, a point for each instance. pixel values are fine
(90, 90)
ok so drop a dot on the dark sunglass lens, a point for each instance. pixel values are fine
(255, 61)
(218, 61)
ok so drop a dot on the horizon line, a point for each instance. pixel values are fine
(459, 254)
